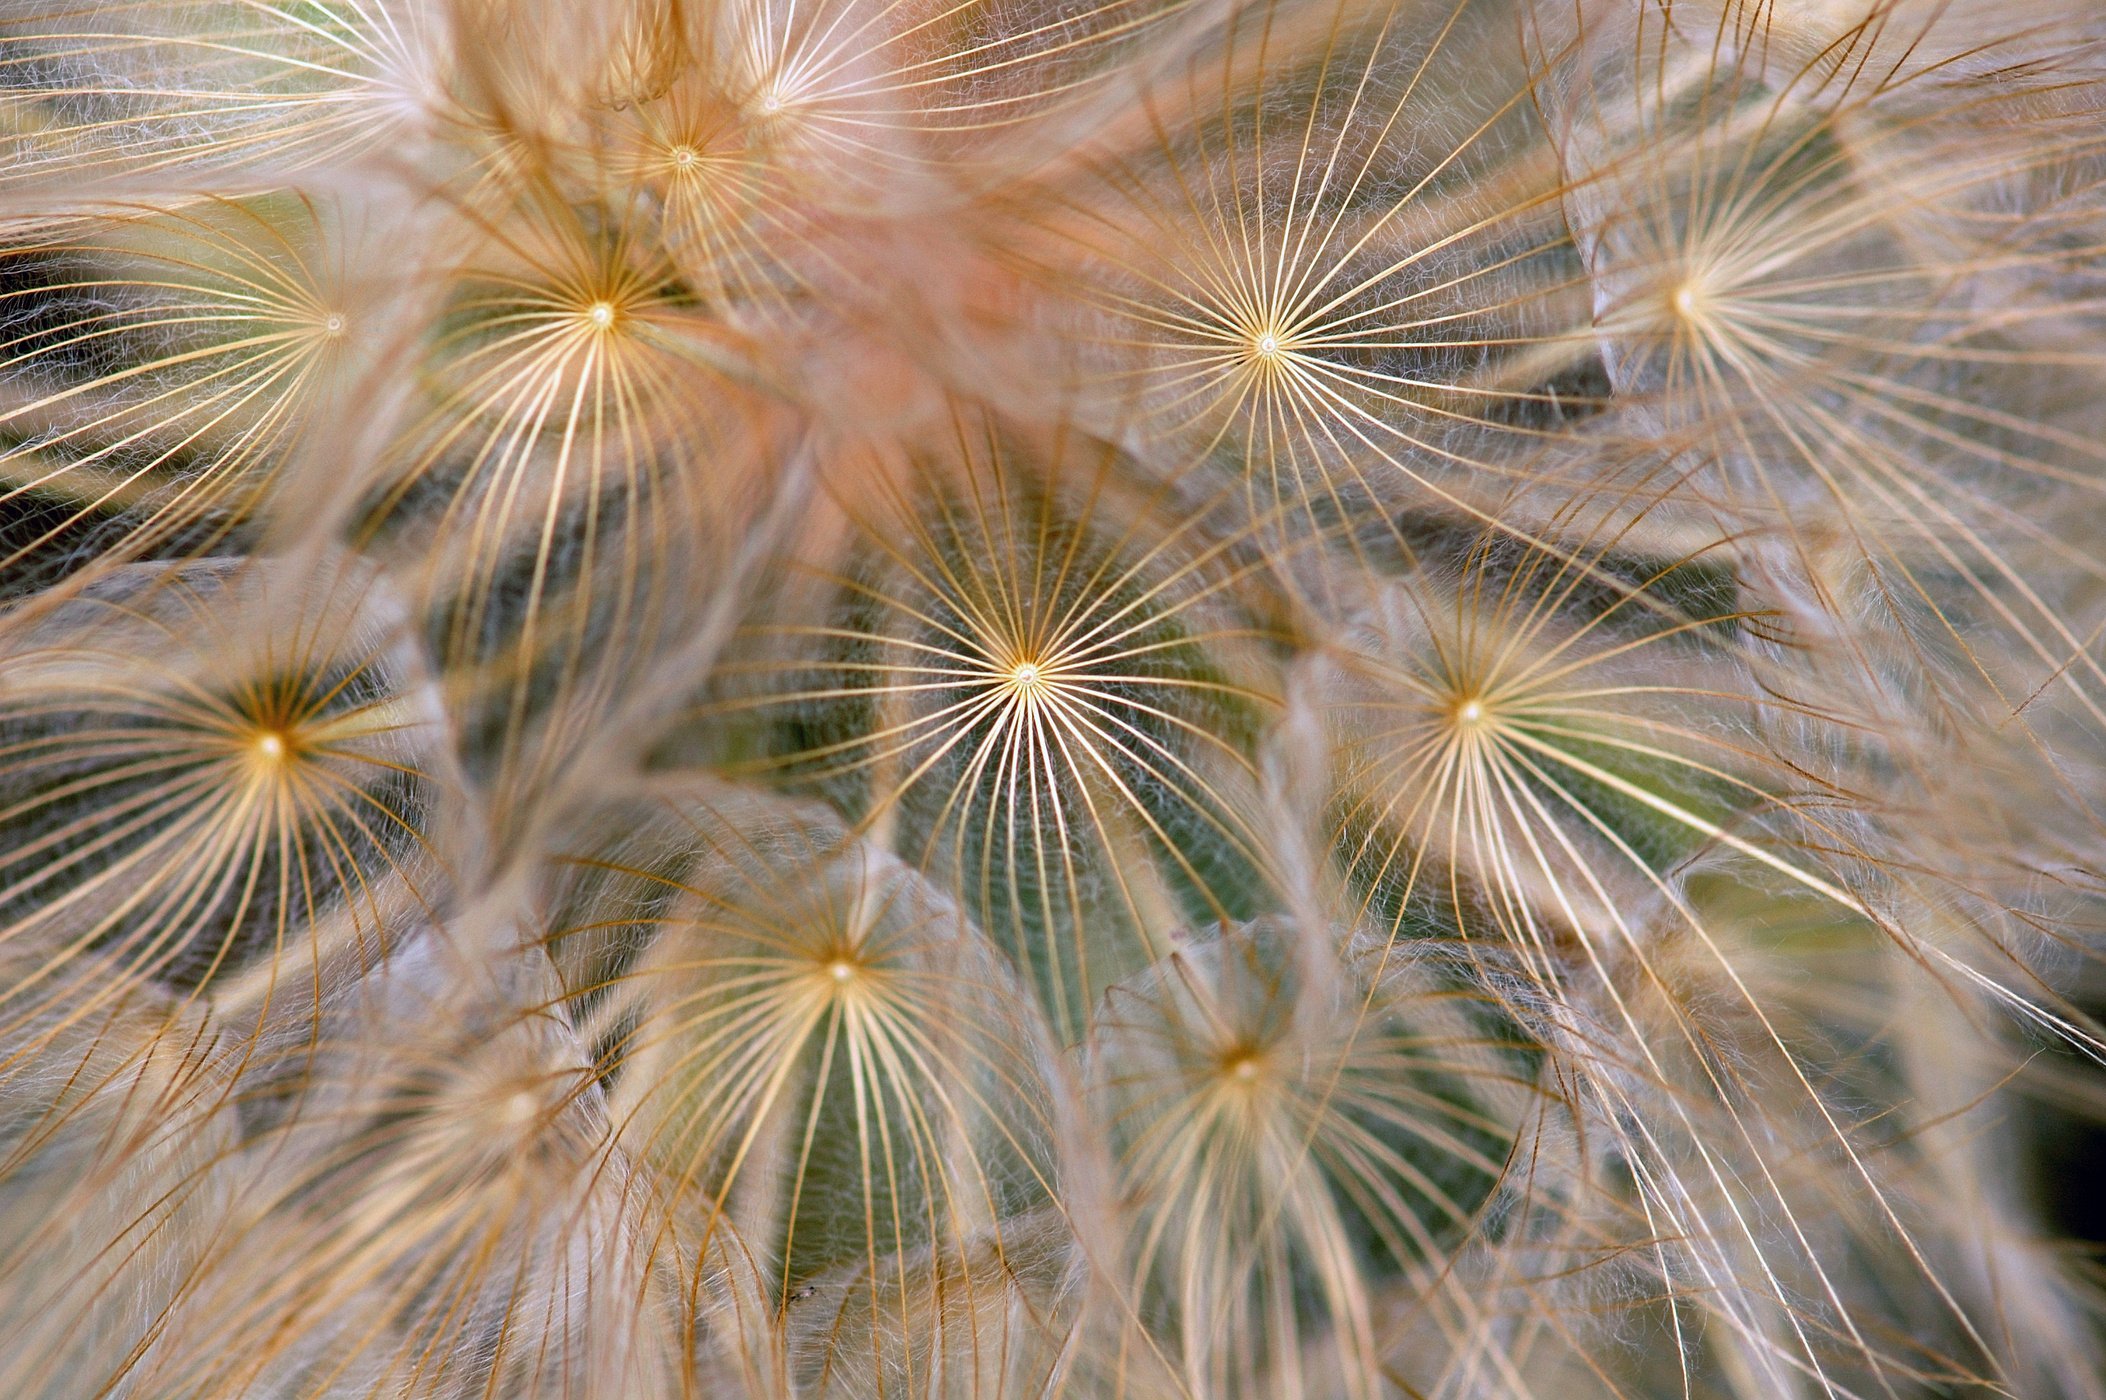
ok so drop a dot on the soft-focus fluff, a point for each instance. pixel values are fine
(1154, 699)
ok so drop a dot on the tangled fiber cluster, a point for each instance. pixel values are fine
(1163, 699)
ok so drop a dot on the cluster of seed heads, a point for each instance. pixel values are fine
(1152, 699)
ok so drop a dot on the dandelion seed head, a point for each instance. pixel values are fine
(1268, 347)
(1160, 643)
(1695, 308)
(519, 1109)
